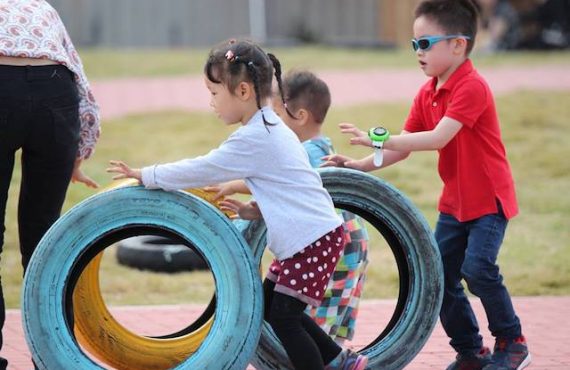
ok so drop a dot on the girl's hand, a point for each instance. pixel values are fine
(359, 137)
(124, 171)
(228, 188)
(79, 176)
(246, 211)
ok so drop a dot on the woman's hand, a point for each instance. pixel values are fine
(79, 176)
(246, 211)
(359, 137)
(124, 171)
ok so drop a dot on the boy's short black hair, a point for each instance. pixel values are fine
(304, 90)
(454, 16)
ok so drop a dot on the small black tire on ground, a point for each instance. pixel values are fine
(158, 254)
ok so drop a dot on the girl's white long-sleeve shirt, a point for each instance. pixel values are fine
(296, 208)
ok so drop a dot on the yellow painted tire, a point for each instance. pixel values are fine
(106, 339)
(101, 335)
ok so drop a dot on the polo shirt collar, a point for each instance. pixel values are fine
(464, 69)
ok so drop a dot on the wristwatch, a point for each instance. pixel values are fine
(378, 135)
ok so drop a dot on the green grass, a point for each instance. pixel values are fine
(102, 64)
(535, 258)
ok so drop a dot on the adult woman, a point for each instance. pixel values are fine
(46, 110)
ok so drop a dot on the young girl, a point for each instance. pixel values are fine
(303, 108)
(304, 231)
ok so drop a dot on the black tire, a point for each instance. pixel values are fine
(419, 265)
(159, 254)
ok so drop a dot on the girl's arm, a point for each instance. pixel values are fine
(245, 211)
(124, 171)
(229, 188)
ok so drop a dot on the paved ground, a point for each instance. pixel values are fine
(135, 95)
(545, 323)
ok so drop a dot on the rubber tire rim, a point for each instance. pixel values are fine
(48, 284)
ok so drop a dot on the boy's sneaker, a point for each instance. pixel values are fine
(510, 354)
(348, 360)
(472, 361)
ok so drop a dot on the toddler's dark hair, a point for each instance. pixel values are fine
(303, 89)
(234, 61)
(454, 16)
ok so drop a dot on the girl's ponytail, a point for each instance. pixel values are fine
(278, 77)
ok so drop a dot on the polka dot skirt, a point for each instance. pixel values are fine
(306, 274)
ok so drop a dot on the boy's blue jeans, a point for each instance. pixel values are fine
(469, 251)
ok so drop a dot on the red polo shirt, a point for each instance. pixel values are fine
(473, 165)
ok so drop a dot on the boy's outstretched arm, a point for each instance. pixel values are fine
(435, 139)
(339, 160)
(365, 164)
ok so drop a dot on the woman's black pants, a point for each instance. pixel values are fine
(39, 115)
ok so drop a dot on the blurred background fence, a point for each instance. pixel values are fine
(196, 23)
(511, 24)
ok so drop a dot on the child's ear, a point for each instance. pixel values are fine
(303, 116)
(244, 90)
(460, 46)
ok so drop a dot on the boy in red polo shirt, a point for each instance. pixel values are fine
(454, 113)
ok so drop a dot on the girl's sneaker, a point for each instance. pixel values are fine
(355, 361)
(348, 360)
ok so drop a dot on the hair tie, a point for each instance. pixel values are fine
(231, 56)
(250, 63)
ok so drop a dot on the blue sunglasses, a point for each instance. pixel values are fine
(425, 43)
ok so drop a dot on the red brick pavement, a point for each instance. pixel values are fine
(545, 323)
(136, 95)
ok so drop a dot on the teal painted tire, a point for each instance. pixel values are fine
(419, 264)
(75, 239)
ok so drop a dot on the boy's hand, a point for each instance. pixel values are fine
(245, 211)
(339, 160)
(124, 171)
(359, 137)
(336, 160)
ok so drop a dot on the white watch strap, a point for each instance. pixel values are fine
(378, 153)
(378, 157)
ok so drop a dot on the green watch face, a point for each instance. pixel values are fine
(378, 134)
